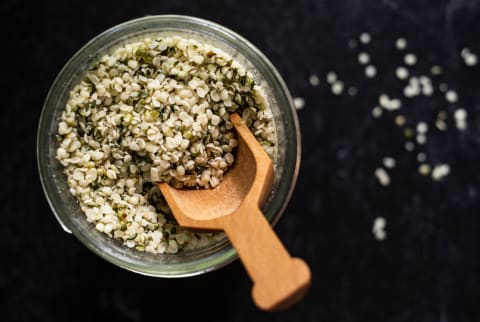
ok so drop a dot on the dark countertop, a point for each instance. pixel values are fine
(428, 268)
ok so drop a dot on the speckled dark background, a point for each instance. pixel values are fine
(428, 269)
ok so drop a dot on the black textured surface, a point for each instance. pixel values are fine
(428, 269)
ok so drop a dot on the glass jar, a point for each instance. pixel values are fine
(54, 183)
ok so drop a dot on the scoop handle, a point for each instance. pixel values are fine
(279, 280)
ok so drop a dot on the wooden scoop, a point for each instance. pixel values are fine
(233, 206)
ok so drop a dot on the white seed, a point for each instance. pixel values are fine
(365, 38)
(111, 174)
(460, 117)
(422, 127)
(409, 146)
(389, 162)
(389, 104)
(378, 228)
(436, 70)
(363, 58)
(78, 175)
(370, 71)
(108, 228)
(299, 102)
(427, 90)
(100, 227)
(382, 176)
(229, 158)
(401, 43)
(395, 104)
(460, 114)
(331, 77)
(377, 111)
(410, 59)
(180, 170)
(337, 88)
(401, 73)
(441, 125)
(421, 157)
(451, 96)
(421, 139)
(172, 246)
(215, 120)
(352, 91)
(384, 100)
(233, 143)
(154, 174)
(443, 87)
(400, 120)
(132, 64)
(154, 84)
(314, 80)
(440, 171)
(409, 92)
(63, 128)
(469, 58)
(424, 169)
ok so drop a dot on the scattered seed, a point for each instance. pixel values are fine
(401, 73)
(378, 228)
(365, 38)
(422, 127)
(410, 59)
(408, 133)
(451, 96)
(389, 104)
(441, 125)
(460, 116)
(352, 91)
(410, 92)
(413, 88)
(400, 120)
(337, 87)
(443, 87)
(389, 162)
(384, 100)
(426, 85)
(331, 77)
(314, 80)
(370, 71)
(382, 176)
(469, 58)
(409, 146)
(427, 90)
(436, 70)
(377, 112)
(440, 171)
(395, 104)
(352, 43)
(299, 103)
(363, 58)
(421, 157)
(401, 43)
(424, 169)
(442, 115)
(421, 139)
